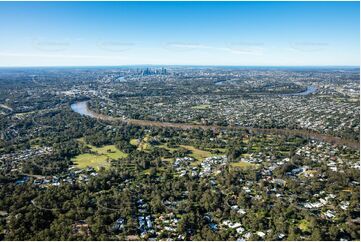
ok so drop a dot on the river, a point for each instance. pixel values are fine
(309, 90)
(82, 109)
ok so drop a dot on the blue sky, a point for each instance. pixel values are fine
(191, 33)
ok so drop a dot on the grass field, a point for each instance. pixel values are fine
(143, 144)
(256, 148)
(110, 151)
(96, 161)
(242, 164)
(164, 146)
(34, 143)
(310, 172)
(197, 154)
(101, 157)
(304, 225)
(201, 107)
(167, 159)
(134, 142)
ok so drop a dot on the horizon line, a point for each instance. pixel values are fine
(130, 65)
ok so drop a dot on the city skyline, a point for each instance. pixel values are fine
(180, 33)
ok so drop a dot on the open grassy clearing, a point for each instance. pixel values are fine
(245, 155)
(217, 150)
(197, 153)
(242, 164)
(134, 142)
(165, 146)
(110, 151)
(145, 147)
(96, 161)
(167, 159)
(281, 149)
(100, 156)
(310, 172)
(269, 137)
(201, 106)
(304, 225)
(143, 144)
(34, 143)
(256, 148)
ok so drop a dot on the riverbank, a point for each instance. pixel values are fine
(83, 109)
(309, 90)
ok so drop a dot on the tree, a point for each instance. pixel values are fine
(316, 234)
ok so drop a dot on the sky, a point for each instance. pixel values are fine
(179, 33)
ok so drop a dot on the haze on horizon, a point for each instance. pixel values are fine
(180, 33)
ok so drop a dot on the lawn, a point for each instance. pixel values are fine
(165, 146)
(309, 172)
(270, 137)
(242, 164)
(134, 142)
(256, 148)
(101, 157)
(201, 107)
(167, 159)
(96, 161)
(110, 151)
(304, 225)
(143, 144)
(284, 153)
(215, 150)
(197, 153)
